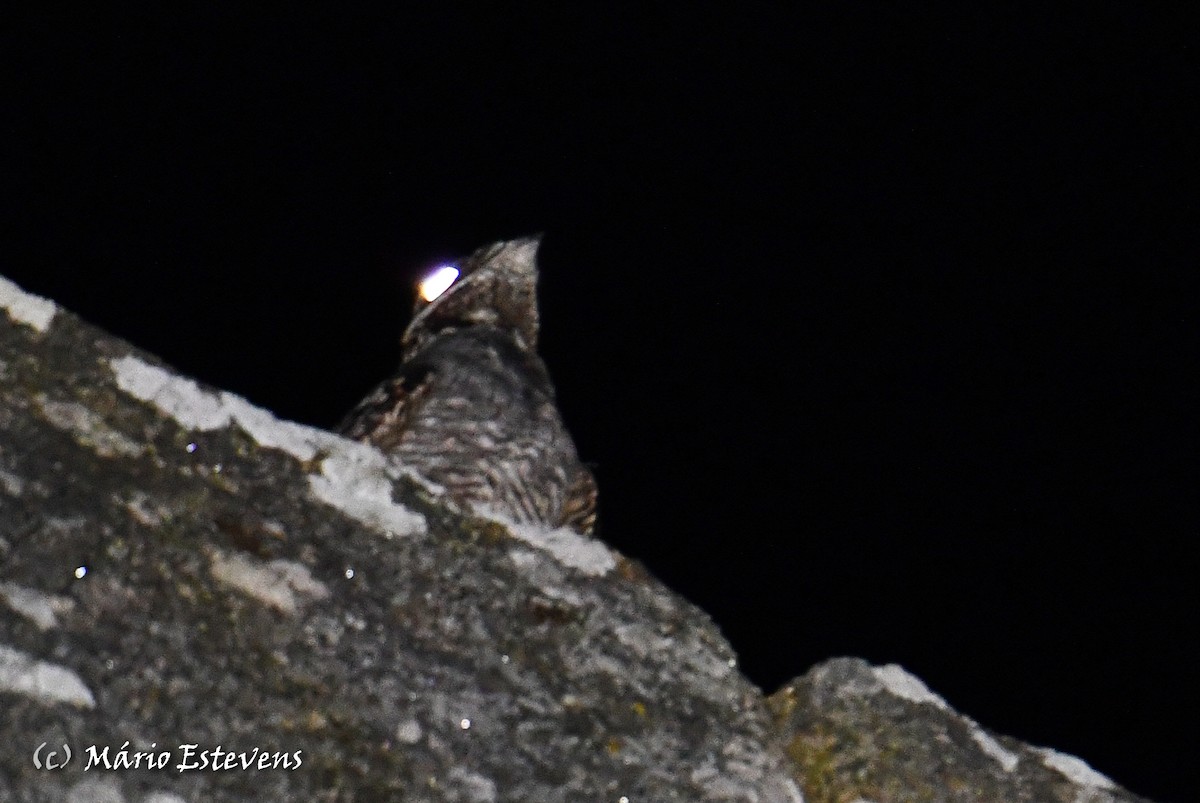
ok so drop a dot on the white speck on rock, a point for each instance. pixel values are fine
(39, 608)
(51, 683)
(906, 686)
(1007, 759)
(354, 478)
(276, 583)
(566, 546)
(1075, 769)
(25, 307)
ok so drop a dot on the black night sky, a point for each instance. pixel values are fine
(874, 322)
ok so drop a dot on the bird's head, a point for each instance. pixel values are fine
(495, 286)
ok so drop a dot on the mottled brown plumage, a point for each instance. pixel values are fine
(472, 407)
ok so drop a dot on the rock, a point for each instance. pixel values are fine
(202, 602)
(876, 733)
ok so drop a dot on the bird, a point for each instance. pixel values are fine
(471, 407)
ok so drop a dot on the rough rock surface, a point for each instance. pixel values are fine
(858, 732)
(180, 568)
(181, 573)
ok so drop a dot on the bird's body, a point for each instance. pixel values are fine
(472, 407)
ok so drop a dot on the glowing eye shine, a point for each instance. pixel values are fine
(438, 282)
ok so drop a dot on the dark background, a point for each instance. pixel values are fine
(874, 322)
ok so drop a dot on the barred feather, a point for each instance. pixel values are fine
(472, 407)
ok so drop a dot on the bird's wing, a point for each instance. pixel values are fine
(382, 417)
(579, 508)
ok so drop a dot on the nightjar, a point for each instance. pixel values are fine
(471, 407)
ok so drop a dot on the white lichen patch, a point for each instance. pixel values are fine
(298, 440)
(25, 307)
(894, 679)
(643, 641)
(1075, 769)
(547, 574)
(162, 797)
(698, 660)
(50, 683)
(279, 583)
(11, 484)
(524, 559)
(703, 660)
(408, 732)
(793, 792)
(354, 478)
(1006, 758)
(566, 546)
(197, 409)
(738, 772)
(95, 790)
(144, 509)
(66, 525)
(175, 396)
(476, 787)
(87, 427)
(357, 480)
(40, 608)
(710, 775)
(906, 686)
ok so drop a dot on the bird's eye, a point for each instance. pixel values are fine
(437, 282)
